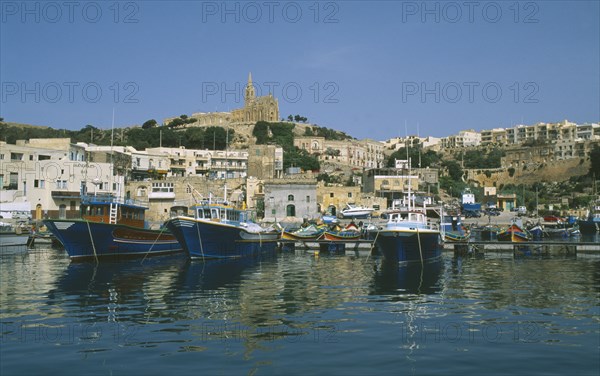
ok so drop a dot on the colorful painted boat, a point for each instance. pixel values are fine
(409, 237)
(453, 230)
(218, 230)
(111, 228)
(514, 233)
(350, 232)
(311, 232)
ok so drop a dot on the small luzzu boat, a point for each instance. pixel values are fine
(311, 232)
(514, 233)
(350, 232)
(453, 230)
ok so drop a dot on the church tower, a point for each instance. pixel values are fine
(250, 94)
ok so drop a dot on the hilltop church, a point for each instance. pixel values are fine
(264, 108)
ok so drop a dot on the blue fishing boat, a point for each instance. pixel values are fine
(110, 227)
(218, 230)
(409, 237)
(591, 223)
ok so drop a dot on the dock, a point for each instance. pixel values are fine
(364, 246)
(547, 247)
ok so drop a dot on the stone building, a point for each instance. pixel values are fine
(50, 175)
(290, 199)
(333, 199)
(362, 154)
(265, 161)
(263, 108)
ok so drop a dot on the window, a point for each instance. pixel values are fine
(331, 194)
(290, 197)
(162, 187)
(307, 198)
(61, 184)
(349, 194)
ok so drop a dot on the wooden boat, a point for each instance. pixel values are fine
(514, 233)
(13, 236)
(350, 232)
(536, 231)
(453, 230)
(311, 232)
(218, 230)
(109, 227)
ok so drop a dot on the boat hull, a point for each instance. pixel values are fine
(589, 227)
(299, 237)
(405, 246)
(512, 236)
(357, 214)
(341, 235)
(84, 240)
(13, 240)
(214, 240)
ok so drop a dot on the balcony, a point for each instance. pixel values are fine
(65, 194)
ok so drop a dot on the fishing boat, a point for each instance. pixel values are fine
(352, 211)
(514, 233)
(591, 225)
(310, 232)
(409, 237)
(111, 227)
(453, 230)
(536, 231)
(218, 230)
(13, 235)
(350, 232)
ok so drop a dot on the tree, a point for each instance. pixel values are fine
(184, 116)
(595, 162)
(290, 118)
(149, 124)
(454, 171)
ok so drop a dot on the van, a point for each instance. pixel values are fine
(21, 215)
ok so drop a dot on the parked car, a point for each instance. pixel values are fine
(552, 218)
(492, 212)
(472, 213)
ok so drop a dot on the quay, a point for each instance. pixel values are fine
(364, 246)
(539, 247)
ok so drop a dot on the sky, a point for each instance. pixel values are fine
(373, 69)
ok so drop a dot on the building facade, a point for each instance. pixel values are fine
(256, 108)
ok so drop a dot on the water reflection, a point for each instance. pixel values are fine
(413, 278)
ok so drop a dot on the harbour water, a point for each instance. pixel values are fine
(295, 313)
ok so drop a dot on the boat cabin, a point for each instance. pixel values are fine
(407, 219)
(112, 212)
(220, 213)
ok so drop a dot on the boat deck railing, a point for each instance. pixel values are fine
(109, 198)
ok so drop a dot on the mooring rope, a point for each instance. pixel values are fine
(92, 240)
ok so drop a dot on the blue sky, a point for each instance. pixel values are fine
(367, 68)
